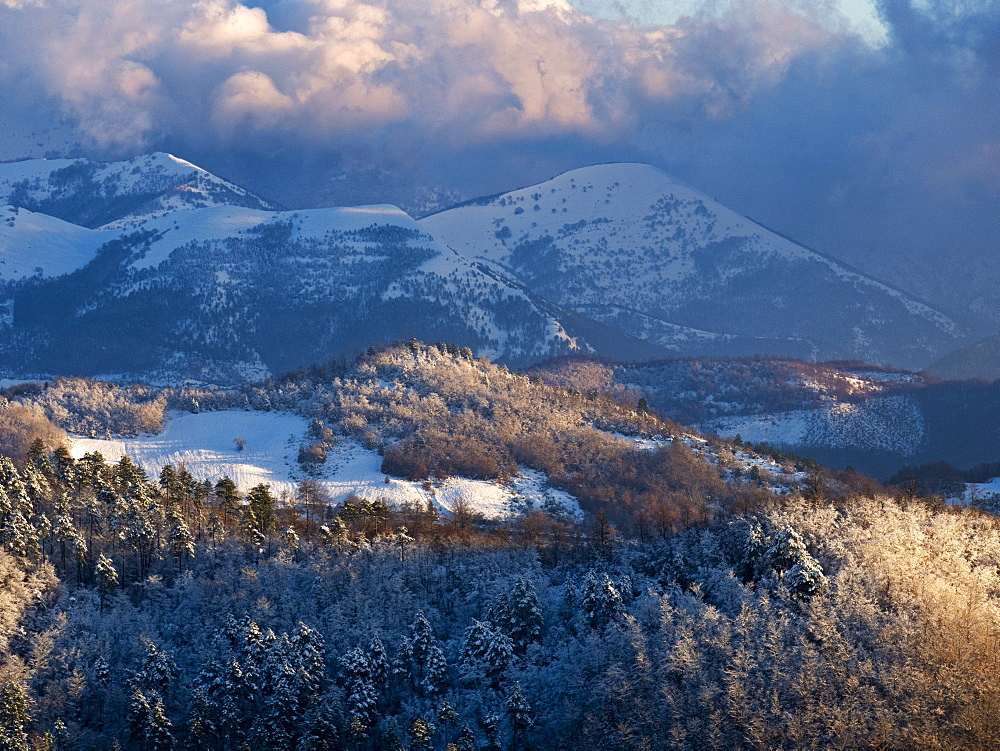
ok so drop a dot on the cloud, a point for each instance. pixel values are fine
(490, 68)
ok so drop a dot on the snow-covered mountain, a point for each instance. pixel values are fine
(115, 194)
(226, 292)
(629, 246)
(156, 268)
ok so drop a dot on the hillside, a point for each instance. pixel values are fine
(979, 360)
(629, 246)
(94, 194)
(424, 425)
(690, 600)
(229, 293)
(842, 414)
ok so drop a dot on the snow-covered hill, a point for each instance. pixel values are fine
(629, 246)
(155, 269)
(38, 245)
(94, 194)
(893, 424)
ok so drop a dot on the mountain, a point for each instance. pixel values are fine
(112, 194)
(227, 293)
(980, 360)
(627, 245)
(154, 268)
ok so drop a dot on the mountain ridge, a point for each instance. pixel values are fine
(196, 277)
(643, 240)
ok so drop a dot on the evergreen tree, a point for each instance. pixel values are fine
(227, 496)
(262, 503)
(13, 717)
(179, 539)
(421, 733)
(157, 669)
(423, 658)
(602, 600)
(203, 732)
(360, 696)
(486, 652)
(520, 615)
(519, 713)
(107, 578)
(379, 662)
(148, 723)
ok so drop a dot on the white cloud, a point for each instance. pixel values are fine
(128, 70)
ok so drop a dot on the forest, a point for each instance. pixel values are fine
(695, 604)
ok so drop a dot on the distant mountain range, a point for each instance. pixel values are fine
(153, 268)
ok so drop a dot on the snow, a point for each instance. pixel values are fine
(218, 223)
(892, 423)
(980, 491)
(778, 429)
(205, 445)
(38, 245)
(627, 243)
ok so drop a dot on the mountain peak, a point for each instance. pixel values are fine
(630, 246)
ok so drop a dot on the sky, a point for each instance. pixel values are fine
(867, 129)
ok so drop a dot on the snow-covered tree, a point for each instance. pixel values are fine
(486, 653)
(13, 717)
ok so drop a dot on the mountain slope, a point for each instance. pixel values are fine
(38, 245)
(980, 360)
(627, 245)
(226, 292)
(93, 194)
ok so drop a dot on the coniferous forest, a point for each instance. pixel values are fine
(692, 605)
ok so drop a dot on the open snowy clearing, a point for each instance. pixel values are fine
(205, 444)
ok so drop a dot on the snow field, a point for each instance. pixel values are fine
(205, 445)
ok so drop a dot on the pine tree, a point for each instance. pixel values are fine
(179, 539)
(466, 739)
(157, 669)
(426, 662)
(60, 736)
(788, 559)
(602, 601)
(203, 732)
(379, 662)
(290, 540)
(421, 733)
(490, 724)
(107, 579)
(228, 497)
(13, 717)
(448, 718)
(520, 615)
(486, 652)
(262, 503)
(360, 696)
(310, 660)
(519, 713)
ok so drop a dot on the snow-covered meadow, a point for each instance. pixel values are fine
(206, 445)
